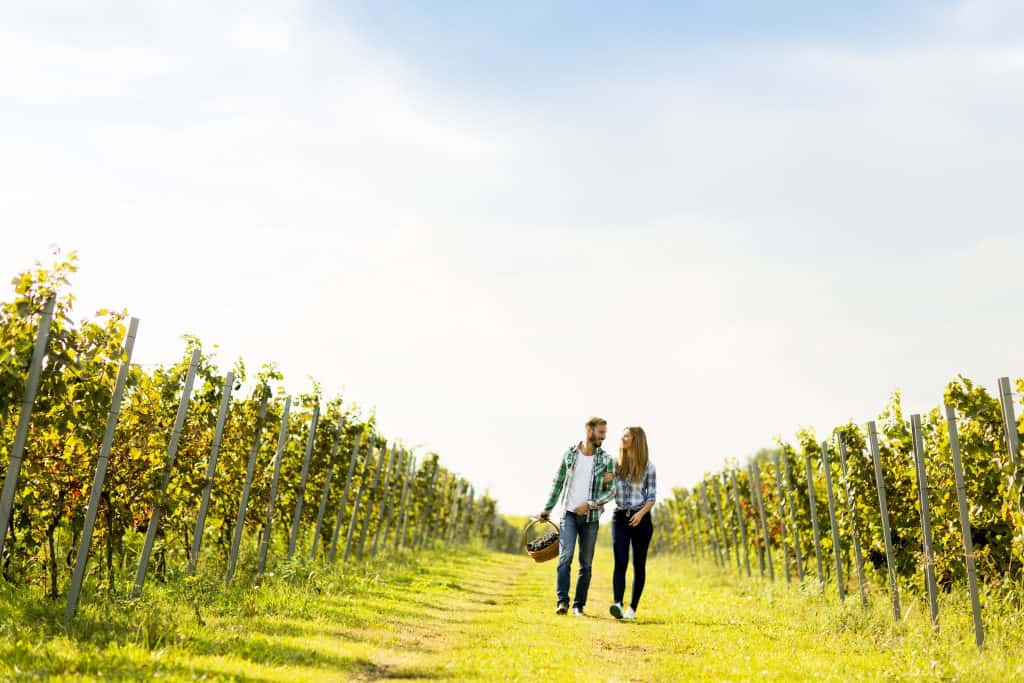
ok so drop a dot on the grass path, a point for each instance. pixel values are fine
(486, 616)
(696, 624)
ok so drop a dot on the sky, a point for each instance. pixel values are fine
(720, 221)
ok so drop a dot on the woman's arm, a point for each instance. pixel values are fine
(651, 495)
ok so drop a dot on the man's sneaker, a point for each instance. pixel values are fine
(630, 614)
(562, 608)
(616, 610)
(577, 611)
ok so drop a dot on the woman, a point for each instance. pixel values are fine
(631, 524)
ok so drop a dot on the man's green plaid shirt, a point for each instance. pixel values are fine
(600, 492)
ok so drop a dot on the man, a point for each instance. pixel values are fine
(584, 483)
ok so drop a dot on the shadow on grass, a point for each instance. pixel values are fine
(278, 654)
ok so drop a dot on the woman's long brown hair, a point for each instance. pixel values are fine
(633, 461)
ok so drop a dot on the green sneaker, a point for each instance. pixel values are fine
(616, 610)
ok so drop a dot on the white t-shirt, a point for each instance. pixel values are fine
(581, 479)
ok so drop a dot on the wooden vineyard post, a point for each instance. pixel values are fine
(282, 441)
(172, 454)
(965, 525)
(883, 508)
(211, 470)
(243, 504)
(926, 523)
(74, 590)
(35, 370)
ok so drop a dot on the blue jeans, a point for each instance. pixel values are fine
(574, 527)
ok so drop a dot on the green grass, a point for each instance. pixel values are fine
(477, 615)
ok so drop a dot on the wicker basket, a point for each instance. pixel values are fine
(544, 554)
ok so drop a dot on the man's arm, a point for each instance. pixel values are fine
(606, 490)
(556, 489)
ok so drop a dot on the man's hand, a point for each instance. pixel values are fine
(636, 519)
(544, 514)
(608, 477)
(582, 509)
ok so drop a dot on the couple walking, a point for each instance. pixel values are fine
(588, 478)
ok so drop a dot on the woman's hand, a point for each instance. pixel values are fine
(637, 518)
(608, 477)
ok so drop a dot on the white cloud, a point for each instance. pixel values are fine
(738, 250)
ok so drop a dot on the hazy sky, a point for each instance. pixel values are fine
(722, 222)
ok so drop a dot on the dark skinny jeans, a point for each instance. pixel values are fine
(623, 537)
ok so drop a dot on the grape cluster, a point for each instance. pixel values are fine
(542, 542)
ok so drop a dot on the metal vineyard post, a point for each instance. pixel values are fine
(350, 534)
(172, 454)
(317, 530)
(814, 520)
(101, 472)
(282, 441)
(795, 530)
(385, 497)
(300, 490)
(721, 520)
(965, 525)
(742, 520)
(883, 508)
(370, 496)
(782, 517)
(837, 548)
(243, 503)
(1009, 421)
(926, 523)
(24, 419)
(851, 504)
(755, 470)
(211, 470)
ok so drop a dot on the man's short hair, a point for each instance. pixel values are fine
(595, 422)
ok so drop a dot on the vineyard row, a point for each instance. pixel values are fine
(167, 460)
(933, 500)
